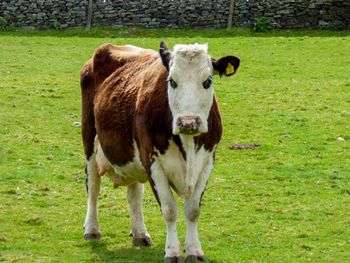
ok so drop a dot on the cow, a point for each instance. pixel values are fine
(152, 117)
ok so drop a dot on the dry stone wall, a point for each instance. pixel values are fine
(332, 14)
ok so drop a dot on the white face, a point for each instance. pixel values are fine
(190, 89)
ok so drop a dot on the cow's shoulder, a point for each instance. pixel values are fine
(153, 117)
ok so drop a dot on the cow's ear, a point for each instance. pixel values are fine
(226, 65)
(164, 54)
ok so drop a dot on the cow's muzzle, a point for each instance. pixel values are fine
(189, 124)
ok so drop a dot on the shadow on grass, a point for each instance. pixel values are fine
(132, 32)
(104, 254)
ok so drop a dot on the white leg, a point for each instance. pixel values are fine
(192, 246)
(92, 230)
(169, 210)
(139, 231)
(192, 211)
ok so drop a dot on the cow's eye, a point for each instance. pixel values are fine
(207, 83)
(172, 83)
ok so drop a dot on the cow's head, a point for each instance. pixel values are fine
(190, 84)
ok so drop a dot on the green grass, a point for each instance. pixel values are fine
(287, 201)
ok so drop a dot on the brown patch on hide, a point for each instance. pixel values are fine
(116, 99)
(213, 136)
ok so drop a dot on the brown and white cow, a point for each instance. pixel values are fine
(149, 116)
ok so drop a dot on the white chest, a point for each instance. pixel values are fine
(183, 175)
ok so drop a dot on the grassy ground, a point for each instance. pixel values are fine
(287, 201)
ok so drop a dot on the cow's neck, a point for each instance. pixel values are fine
(192, 172)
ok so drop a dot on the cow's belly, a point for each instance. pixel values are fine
(127, 174)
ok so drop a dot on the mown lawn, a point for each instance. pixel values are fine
(286, 201)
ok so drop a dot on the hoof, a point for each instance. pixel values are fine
(178, 259)
(142, 242)
(192, 258)
(96, 236)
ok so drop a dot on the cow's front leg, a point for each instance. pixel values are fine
(169, 211)
(92, 230)
(193, 247)
(192, 210)
(138, 228)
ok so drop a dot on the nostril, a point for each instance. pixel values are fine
(198, 121)
(178, 122)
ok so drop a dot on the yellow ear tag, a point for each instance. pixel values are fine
(230, 69)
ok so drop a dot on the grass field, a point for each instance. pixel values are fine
(286, 201)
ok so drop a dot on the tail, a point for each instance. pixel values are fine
(88, 91)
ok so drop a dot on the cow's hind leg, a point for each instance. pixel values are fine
(92, 230)
(139, 231)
